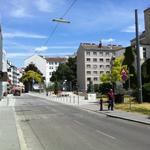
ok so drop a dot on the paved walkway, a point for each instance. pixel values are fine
(8, 132)
(94, 106)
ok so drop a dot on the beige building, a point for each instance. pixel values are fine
(94, 60)
(144, 38)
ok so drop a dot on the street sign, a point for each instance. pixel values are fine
(124, 74)
(3, 76)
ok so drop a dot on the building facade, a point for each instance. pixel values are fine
(47, 65)
(93, 61)
(144, 38)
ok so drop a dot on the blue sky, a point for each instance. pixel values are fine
(27, 25)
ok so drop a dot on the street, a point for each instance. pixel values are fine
(48, 125)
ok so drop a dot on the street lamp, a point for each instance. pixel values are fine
(61, 20)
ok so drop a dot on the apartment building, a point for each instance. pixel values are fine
(3, 65)
(144, 38)
(47, 65)
(93, 61)
(52, 65)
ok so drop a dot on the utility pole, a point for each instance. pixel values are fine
(140, 99)
(1, 59)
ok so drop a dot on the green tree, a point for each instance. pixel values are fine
(129, 59)
(115, 71)
(90, 88)
(66, 72)
(33, 68)
(30, 75)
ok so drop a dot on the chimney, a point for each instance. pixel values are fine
(100, 44)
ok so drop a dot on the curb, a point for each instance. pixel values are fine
(128, 119)
(114, 116)
(109, 115)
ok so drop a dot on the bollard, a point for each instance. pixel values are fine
(74, 99)
(101, 104)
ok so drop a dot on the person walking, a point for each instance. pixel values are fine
(110, 96)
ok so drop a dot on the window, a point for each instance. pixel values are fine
(94, 59)
(144, 52)
(107, 66)
(94, 72)
(107, 60)
(88, 53)
(88, 79)
(101, 66)
(94, 66)
(88, 66)
(101, 53)
(107, 53)
(95, 53)
(51, 67)
(88, 72)
(95, 78)
(101, 59)
(88, 59)
(101, 72)
(55, 63)
(107, 72)
(50, 73)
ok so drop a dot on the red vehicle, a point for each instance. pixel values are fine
(16, 91)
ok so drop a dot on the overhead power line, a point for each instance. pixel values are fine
(56, 26)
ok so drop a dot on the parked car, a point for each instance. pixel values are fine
(16, 91)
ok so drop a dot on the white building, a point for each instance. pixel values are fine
(144, 38)
(93, 61)
(3, 65)
(45, 65)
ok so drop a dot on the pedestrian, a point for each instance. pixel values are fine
(110, 95)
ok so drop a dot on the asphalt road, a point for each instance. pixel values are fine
(48, 125)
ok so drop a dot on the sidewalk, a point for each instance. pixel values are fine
(94, 106)
(8, 131)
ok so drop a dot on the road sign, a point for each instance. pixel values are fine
(124, 74)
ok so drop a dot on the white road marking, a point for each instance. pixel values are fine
(105, 134)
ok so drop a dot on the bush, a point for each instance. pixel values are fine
(146, 92)
(104, 87)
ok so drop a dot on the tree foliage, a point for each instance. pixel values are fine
(33, 68)
(90, 88)
(129, 58)
(30, 75)
(66, 72)
(146, 71)
(115, 71)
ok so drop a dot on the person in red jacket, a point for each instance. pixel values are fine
(110, 96)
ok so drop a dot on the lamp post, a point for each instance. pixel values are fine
(140, 98)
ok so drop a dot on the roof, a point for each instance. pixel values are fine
(92, 46)
(142, 39)
(57, 59)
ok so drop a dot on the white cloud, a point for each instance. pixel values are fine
(43, 5)
(108, 40)
(131, 29)
(48, 6)
(41, 49)
(20, 13)
(18, 55)
(23, 35)
(63, 47)
(25, 55)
